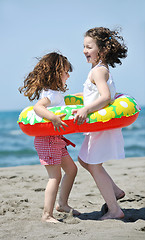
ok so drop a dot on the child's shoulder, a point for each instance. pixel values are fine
(48, 92)
(100, 71)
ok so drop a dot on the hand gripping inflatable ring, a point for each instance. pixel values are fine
(120, 113)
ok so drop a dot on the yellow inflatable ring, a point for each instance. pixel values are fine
(120, 113)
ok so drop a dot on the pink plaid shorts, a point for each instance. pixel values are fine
(50, 149)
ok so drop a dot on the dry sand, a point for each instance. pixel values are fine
(22, 196)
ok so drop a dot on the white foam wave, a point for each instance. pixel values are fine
(15, 132)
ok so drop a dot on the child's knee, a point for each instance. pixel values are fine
(95, 168)
(83, 164)
(74, 170)
(56, 178)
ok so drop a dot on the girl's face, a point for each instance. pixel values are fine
(91, 50)
(64, 76)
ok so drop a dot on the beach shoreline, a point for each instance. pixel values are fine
(22, 196)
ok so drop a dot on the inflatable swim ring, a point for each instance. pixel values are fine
(120, 113)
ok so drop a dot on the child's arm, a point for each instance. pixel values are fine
(99, 77)
(40, 109)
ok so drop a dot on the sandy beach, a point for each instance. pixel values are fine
(22, 195)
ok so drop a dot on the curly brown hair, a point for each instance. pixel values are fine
(46, 75)
(110, 43)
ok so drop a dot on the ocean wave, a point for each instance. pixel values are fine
(133, 127)
(15, 132)
(13, 161)
(17, 153)
(135, 147)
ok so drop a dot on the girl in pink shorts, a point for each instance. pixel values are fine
(46, 82)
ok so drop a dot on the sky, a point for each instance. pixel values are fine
(32, 28)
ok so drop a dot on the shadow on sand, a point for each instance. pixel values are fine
(131, 215)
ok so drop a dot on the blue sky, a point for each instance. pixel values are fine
(31, 28)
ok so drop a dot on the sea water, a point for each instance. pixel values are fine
(16, 148)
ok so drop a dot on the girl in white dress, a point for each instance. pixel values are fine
(102, 48)
(47, 81)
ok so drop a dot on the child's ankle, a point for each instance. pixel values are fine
(46, 217)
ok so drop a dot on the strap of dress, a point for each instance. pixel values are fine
(104, 67)
(98, 65)
(101, 65)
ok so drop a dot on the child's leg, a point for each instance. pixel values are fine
(70, 170)
(104, 184)
(54, 172)
(118, 192)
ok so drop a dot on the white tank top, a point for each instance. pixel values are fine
(91, 92)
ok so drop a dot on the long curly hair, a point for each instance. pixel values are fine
(110, 43)
(46, 75)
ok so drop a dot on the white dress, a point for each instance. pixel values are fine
(99, 147)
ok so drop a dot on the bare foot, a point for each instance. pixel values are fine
(104, 208)
(48, 219)
(121, 195)
(117, 215)
(67, 209)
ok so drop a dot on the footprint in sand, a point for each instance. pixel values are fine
(39, 189)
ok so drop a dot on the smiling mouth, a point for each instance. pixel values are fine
(88, 58)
